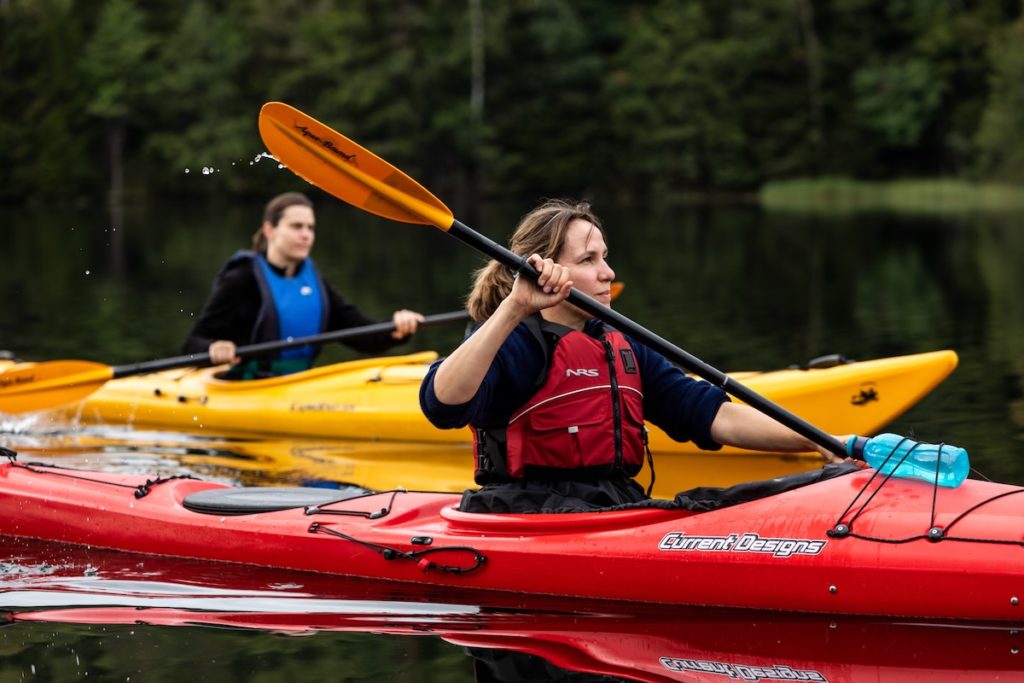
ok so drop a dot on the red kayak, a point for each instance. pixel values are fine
(854, 544)
(642, 643)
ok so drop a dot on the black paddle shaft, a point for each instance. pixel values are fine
(653, 341)
(253, 350)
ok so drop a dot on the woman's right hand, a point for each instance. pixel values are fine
(222, 351)
(550, 289)
(459, 376)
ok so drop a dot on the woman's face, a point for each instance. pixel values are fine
(584, 253)
(291, 239)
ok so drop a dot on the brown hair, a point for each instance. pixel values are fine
(542, 231)
(272, 214)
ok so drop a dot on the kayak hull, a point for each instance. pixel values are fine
(774, 553)
(378, 398)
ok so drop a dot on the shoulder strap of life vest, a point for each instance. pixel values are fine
(546, 334)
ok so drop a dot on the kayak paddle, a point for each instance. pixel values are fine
(38, 386)
(357, 176)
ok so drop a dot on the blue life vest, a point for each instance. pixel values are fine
(291, 307)
(298, 304)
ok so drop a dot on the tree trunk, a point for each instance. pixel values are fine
(476, 91)
(115, 196)
(812, 52)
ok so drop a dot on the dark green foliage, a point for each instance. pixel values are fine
(649, 98)
(710, 95)
(1000, 137)
(43, 132)
(197, 97)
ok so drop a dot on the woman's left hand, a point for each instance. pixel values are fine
(832, 457)
(406, 322)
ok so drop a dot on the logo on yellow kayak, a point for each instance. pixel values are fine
(322, 408)
(741, 543)
(866, 395)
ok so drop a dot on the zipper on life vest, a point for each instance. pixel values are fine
(613, 380)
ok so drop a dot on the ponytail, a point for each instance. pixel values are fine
(491, 284)
(259, 241)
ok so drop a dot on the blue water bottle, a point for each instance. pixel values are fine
(908, 458)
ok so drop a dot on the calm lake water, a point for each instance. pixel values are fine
(737, 287)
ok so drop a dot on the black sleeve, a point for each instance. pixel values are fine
(344, 315)
(230, 311)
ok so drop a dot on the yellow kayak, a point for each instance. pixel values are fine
(378, 465)
(377, 398)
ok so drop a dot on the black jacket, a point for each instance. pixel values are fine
(231, 310)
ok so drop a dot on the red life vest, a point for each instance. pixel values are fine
(586, 420)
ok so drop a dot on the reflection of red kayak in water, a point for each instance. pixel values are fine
(641, 643)
(788, 551)
(649, 647)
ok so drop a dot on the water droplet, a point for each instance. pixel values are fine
(188, 170)
(87, 272)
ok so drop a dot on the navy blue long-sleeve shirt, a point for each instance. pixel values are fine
(680, 405)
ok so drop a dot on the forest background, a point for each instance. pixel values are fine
(656, 100)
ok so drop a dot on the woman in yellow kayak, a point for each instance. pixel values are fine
(534, 381)
(275, 292)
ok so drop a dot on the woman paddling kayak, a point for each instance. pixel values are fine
(557, 400)
(275, 292)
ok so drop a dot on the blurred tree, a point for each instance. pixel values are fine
(708, 95)
(202, 120)
(905, 79)
(546, 111)
(1000, 137)
(116, 66)
(45, 142)
(395, 77)
(897, 100)
(546, 96)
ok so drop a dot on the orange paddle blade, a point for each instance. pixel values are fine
(37, 386)
(317, 153)
(617, 288)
